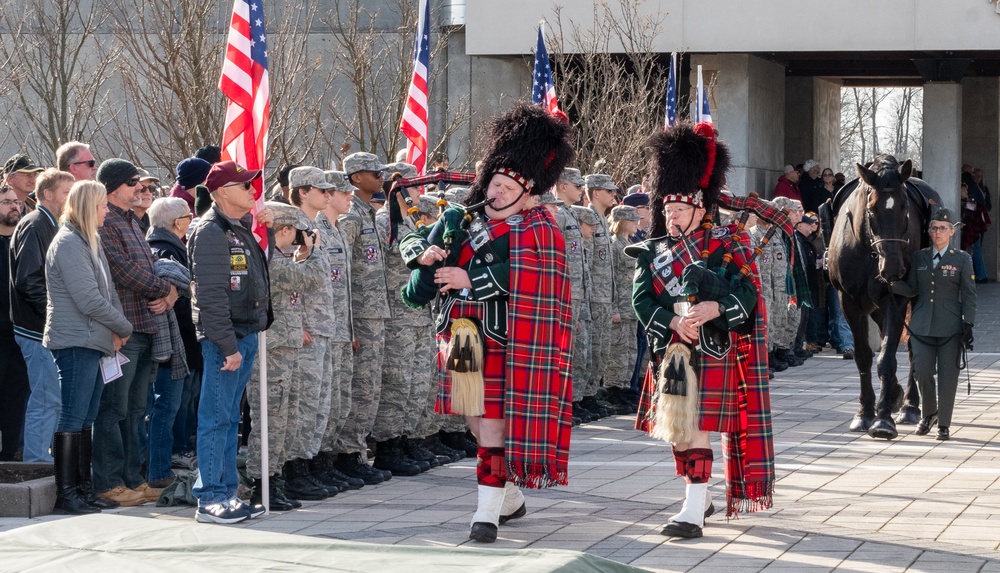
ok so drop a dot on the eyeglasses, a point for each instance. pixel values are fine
(88, 163)
(939, 229)
(8, 202)
(246, 185)
(188, 216)
(132, 182)
(828, 175)
(668, 211)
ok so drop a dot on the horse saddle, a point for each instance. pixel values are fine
(926, 198)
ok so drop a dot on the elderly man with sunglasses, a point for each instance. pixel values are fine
(118, 452)
(75, 158)
(231, 303)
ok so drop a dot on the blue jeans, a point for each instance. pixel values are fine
(44, 402)
(186, 421)
(978, 264)
(840, 331)
(167, 401)
(117, 452)
(219, 420)
(81, 386)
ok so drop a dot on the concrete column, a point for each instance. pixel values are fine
(812, 121)
(981, 148)
(748, 108)
(942, 143)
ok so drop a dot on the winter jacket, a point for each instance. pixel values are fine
(28, 246)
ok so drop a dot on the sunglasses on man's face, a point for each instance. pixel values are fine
(132, 182)
(88, 163)
(246, 185)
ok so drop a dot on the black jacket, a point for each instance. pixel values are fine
(29, 243)
(166, 245)
(231, 287)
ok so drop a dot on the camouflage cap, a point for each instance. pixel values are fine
(308, 177)
(362, 161)
(339, 181)
(288, 216)
(428, 204)
(624, 213)
(549, 198)
(944, 215)
(600, 181)
(586, 215)
(573, 176)
(788, 203)
(403, 168)
(457, 195)
(637, 188)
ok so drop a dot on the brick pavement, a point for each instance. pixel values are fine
(843, 501)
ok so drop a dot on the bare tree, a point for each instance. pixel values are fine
(872, 116)
(61, 91)
(170, 67)
(614, 100)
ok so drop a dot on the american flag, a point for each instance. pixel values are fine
(414, 122)
(244, 83)
(671, 93)
(543, 88)
(702, 112)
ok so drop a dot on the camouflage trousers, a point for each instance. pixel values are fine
(306, 407)
(366, 384)
(581, 348)
(782, 322)
(420, 411)
(621, 359)
(406, 371)
(600, 344)
(340, 408)
(281, 370)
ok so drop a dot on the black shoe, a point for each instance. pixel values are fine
(319, 468)
(594, 406)
(925, 425)
(943, 433)
(389, 457)
(582, 413)
(413, 457)
(848, 355)
(331, 469)
(353, 466)
(776, 364)
(519, 512)
(770, 373)
(483, 532)
(86, 485)
(221, 513)
(437, 447)
(803, 353)
(415, 450)
(710, 510)
(789, 357)
(681, 529)
(66, 452)
(457, 440)
(618, 402)
(297, 484)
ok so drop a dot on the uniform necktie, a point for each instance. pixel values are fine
(937, 259)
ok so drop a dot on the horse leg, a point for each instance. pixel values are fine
(890, 393)
(910, 413)
(857, 319)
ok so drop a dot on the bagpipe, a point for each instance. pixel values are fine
(399, 186)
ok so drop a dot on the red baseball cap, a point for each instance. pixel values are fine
(226, 172)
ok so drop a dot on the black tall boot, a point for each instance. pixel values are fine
(84, 479)
(67, 457)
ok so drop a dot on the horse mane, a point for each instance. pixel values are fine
(886, 168)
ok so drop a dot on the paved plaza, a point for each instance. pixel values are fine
(843, 501)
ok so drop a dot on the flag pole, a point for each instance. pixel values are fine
(699, 95)
(265, 474)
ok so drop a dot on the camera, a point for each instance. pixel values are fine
(300, 236)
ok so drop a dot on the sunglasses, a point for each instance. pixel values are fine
(132, 182)
(89, 163)
(246, 185)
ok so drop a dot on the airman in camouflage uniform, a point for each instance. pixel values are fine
(291, 276)
(587, 220)
(370, 308)
(784, 330)
(618, 376)
(602, 194)
(773, 268)
(341, 341)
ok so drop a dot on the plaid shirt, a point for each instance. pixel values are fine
(131, 262)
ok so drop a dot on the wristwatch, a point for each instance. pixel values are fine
(722, 310)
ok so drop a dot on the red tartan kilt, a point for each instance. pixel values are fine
(494, 370)
(720, 410)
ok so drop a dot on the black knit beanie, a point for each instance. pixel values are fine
(114, 172)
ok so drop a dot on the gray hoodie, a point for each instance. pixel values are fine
(82, 311)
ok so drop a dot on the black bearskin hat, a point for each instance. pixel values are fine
(528, 144)
(687, 165)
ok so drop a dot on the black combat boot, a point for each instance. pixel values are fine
(389, 457)
(275, 502)
(298, 486)
(319, 468)
(353, 466)
(420, 458)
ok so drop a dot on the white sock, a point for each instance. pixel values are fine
(693, 510)
(513, 499)
(489, 504)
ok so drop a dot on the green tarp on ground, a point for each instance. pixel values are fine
(113, 543)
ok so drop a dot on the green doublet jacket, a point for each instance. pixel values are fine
(657, 286)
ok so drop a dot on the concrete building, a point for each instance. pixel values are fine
(778, 67)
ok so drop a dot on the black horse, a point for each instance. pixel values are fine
(879, 225)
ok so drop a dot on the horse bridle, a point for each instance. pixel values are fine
(876, 244)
